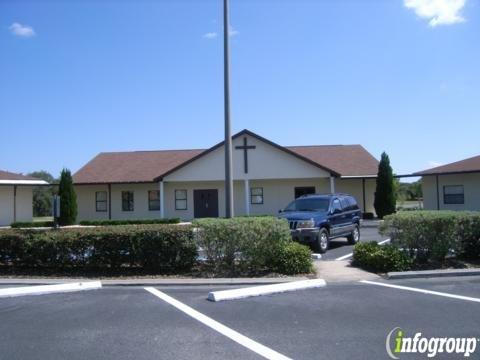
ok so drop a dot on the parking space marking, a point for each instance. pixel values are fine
(423, 291)
(50, 289)
(222, 329)
(345, 257)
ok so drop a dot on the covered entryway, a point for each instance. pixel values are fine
(205, 203)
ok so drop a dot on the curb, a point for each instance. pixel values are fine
(265, 290)
(157, 282)
(50, 289)
(432, 273)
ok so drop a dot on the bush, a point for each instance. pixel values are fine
(159, 248)
(380, 258)
(129, 222)
(293, 258)
(20, 224)
(243, 244)
(432, 235)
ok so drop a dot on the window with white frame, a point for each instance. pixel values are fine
(101, 201)
(180, 199)
(453, 194)
(256, 195)
(153, 200)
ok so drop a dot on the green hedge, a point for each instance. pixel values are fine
(380, 258)
(250, 244)
(159, 248)
(129, 222)
(432, 235)
(21, 224)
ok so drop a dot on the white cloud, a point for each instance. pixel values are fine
(210, 35)
(434, 164)
(22, 30)
(438, 12)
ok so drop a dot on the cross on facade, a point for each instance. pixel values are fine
(245, 149)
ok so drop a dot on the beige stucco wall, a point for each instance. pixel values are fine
(277, 194)
(471, 188)
(263, 163)
(86, 202)
(23, 207)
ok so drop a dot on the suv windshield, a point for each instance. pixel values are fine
(309, 204)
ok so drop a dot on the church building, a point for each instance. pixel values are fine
(190, 183)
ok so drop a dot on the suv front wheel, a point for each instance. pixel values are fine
(323, 242)
(354, 237)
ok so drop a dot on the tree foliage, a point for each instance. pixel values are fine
(42, 195)
(68, 199)
(385, 197)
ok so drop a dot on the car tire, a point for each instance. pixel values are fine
(354, 237)
(322, 242)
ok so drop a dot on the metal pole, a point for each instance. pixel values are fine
(228, 135)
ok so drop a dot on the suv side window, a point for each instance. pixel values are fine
(346, 204)
(353, 203)
(336, 206)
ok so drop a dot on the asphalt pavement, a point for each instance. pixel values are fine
(349, 320)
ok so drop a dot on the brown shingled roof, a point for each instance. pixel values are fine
(463, 166)
(149, 166)
(347, 160)
(6, 175)
(131, 167)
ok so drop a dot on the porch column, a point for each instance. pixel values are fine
(162, 202)
(247, 197)
(14, 203)
(332, 184)
(109, 201)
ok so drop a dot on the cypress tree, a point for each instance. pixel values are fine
(385, 198)
(68, 199)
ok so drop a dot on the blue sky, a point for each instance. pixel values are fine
(82, 77)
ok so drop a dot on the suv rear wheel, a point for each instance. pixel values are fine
(323, 242)
(354, 237)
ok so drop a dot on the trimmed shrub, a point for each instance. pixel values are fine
(380, 258)
(385, 197)
(158, 248)
(128, 222)
(242, 244)
(294, 258)
(432, 235)
(68, 199)
(20, 224)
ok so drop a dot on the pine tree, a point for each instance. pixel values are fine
(385, 198)
(68, 199)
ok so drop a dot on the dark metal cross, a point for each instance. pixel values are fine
(245, 149)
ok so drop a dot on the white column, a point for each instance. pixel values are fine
(162, 202)
(247, 197)
(332, 184)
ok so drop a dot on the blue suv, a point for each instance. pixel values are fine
(315, 219)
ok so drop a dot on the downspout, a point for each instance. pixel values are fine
(14, 203)
(109, 201)
(438, 193)
(364, 200)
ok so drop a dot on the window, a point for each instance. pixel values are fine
(153, 200)
(256, 196)
(304, 190)
(453, 194)
(101, 201)
(180, 199)
(127, 200)
(336, 206)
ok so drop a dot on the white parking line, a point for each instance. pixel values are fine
(50, 289)
(344, 257)
(429, 292)
(222, 329)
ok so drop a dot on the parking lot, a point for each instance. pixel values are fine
(340, 321)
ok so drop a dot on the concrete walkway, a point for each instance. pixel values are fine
(335, 271)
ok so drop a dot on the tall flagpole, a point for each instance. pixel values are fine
(228, 133)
